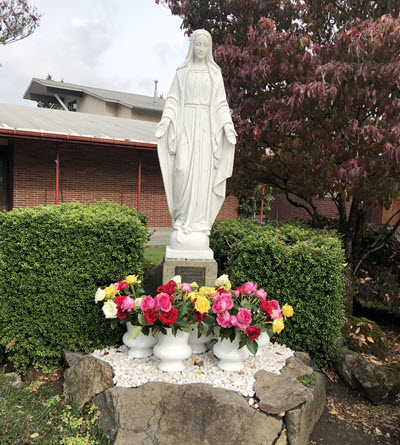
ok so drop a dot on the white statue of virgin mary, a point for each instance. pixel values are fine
(196, 142)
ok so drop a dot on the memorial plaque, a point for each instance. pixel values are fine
(191, 274)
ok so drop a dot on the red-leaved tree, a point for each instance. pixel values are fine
(17, 20)
(317, 108)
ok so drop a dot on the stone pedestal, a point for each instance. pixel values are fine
(203, 272)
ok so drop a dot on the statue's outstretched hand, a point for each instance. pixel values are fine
(230, 133)
(162, 127)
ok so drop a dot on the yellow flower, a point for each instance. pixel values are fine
(194, 285)
(203, 291)
(110, 291)
(132, 279)
(287, 310)
(277, 326)
(192, 295)
(202, 305)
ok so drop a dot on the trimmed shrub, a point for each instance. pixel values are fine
(301, 267)
(52, 260)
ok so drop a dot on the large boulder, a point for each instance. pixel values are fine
(365, 337)
(300, 421)
(196, 414)
(378, 382)
(278, 393)
(87, 377)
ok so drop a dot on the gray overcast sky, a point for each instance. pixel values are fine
(121, 45)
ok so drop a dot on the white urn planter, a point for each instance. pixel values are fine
(141, 346)
(172, 350)
(262, 341)
(198, 344)
(230, 357)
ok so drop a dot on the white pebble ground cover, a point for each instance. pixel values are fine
(200, 368)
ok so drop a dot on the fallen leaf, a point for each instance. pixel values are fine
(10, 345)
(34, 435)
(201, 363)
(106, 353)
(370, 340)
(240, 372)
(378, 431)
(370, 326)
(83, 427)
(198, 372)
(357, 330)
(333, 412)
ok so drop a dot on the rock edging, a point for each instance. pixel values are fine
(166, 414)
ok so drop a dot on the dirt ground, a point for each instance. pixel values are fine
(349, 418)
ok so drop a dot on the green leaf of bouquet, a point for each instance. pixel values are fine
(269, 331)
(242, 343)
(163, 330)
(217, 330)
(141, 319)
(252, 346)
(189, 330)
(135, 332)
(209, 320)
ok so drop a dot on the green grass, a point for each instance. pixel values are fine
(154, 254)
(35, 414)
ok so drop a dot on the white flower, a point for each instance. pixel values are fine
(177, 279)
(100, 295)
(138, 302)
(110, 309)
(223, 280)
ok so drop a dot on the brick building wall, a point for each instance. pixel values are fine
(281, 209)
(90, 172)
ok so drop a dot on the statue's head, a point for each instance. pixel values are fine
(200, 48)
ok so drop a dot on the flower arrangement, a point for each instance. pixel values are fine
(242, 313)
(245, 312)
(177, 305)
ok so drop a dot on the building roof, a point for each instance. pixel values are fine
(40, 89)
(59, 124)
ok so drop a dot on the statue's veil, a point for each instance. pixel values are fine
(190, 55)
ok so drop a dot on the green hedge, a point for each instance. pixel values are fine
(295, 265)
(52, 259)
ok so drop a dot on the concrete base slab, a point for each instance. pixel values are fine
(203, 272)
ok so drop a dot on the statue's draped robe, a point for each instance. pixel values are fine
(194, 153)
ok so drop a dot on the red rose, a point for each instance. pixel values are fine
(161, 289)
(266, 307)
(151, 316)
(170, 317)
(253, 332)
(122, 285)
(171, 299)
(199, 316)
(170, 287)
(118, 301)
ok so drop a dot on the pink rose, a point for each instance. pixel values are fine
(261, 294)
(223, 319)
(219, 305)
(163, 302)
(147, 303)
(276, 310)
(186, 287)
(227, 298)
(127, 304)
(248, 288)
(237, 292)
(233, 320)
(244, 318)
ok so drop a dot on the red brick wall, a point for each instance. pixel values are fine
(280, 206)
(91, 172)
